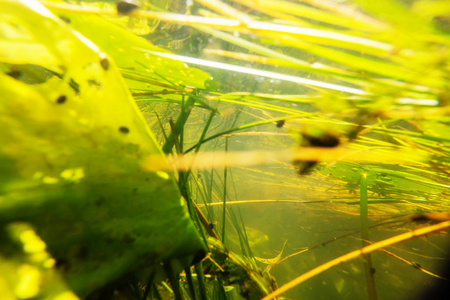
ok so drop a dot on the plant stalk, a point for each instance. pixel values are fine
(369, 269)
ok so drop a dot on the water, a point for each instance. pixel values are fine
(294, 215)
(329, 222)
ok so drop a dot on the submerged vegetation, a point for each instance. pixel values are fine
(300, 136)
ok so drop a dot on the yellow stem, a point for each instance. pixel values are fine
(358, 253)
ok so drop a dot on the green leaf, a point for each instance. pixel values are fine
(70, 161)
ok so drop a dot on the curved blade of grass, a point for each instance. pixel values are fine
(226, 10)
(322, 36)
(347, 10)
(312, 13)
(246, 126)
(358, 253)
(261, 105)
(363, 43)
(397, 13)
(412, 264)
(263, 96)
(431, 8)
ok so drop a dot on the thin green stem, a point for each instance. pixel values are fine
(224, 208)
(174, 281)
(201, 281)
(246, 126)
(148, 286)
(369, 270)
(179, 125)
(162, 128)
(156, 293)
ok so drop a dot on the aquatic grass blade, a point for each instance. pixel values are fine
(358, 253)
(370, 280)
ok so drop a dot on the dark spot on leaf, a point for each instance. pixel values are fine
(14, 74)
(326, 140)
(124, 129)
(281, 123)
(92, 82)
(65, 19)
(62, 264)
(29, 73)
(74, 85)
(126, 6)
(104, 62)
(61, 99)
(305, 167)
(420, 218)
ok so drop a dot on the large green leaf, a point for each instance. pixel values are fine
(70, 161)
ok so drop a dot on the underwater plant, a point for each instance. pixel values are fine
(217, 149)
